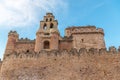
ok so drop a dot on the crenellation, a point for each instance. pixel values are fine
(93, 51)
(12, 32)
(119, 49)
(25, 40)
(84, 30)
(112, 49)
(102, 51)
(73, 52)
(83, 50)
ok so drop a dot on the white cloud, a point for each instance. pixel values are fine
(18, 13)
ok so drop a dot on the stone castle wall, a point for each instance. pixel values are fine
(79, 55)
(82, 29)
(65, 45)
(32, 54)
(24, 45)
(86, 37)
(16, 44)
(62, 65)
(88, 41)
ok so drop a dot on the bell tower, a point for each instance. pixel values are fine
(47, 36)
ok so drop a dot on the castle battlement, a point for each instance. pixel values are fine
(84, 30)
(57, 53)
(13, 33)
(25, 40)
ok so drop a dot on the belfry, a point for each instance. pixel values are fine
(47, 37)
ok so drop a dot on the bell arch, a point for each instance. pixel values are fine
(51, 25)
(45, 26)
(46, 19)
(50, 19)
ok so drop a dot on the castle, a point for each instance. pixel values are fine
(80, 55)
(48, 38)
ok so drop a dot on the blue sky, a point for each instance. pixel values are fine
(24, 16)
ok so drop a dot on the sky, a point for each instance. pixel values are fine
(24, 16)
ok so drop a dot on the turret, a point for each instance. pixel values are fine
(86, 37)
(47, 36)
(12, 39)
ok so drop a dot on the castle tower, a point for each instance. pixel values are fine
(47, 37)
(12, 39)
(86, 37)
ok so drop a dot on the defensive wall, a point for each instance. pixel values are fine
(80, 55)
(73, 52)
(75, 64)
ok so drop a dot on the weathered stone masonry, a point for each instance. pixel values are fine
(80, 55)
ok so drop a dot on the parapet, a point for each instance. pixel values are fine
(84, 30)
(13, 33)
(73, 52)
(25, 40)
(113, 49)
(65, 38)
(49, 13)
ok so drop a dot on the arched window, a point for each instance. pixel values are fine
(46, 45)
(47, 20)
(50, 19)
(45, 26)
(51, 25)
